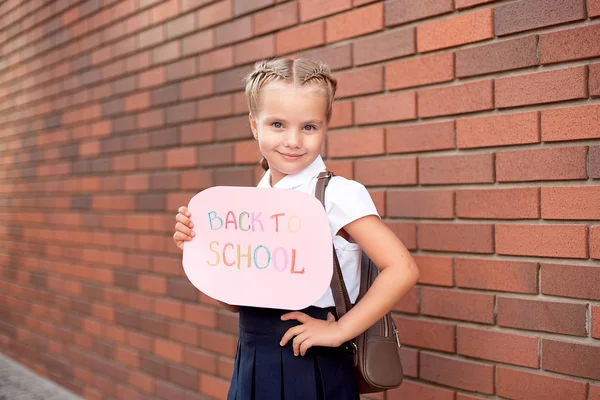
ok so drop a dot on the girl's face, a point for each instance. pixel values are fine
(290, 127)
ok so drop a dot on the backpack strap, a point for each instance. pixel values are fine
(338, 287)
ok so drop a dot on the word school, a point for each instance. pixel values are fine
(260, 256)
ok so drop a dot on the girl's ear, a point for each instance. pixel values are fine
(253, 126)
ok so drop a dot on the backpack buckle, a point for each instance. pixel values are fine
(325, 174)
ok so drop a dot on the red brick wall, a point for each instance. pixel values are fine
(475, 124)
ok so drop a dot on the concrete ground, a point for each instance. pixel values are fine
(20, 383)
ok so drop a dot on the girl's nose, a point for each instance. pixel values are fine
(292, 138)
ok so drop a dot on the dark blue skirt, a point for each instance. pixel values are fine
(264, 370)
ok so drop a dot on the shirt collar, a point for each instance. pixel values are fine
(295, 180)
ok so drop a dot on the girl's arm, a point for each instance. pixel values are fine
(399, 273)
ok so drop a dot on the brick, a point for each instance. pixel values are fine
(496, 57)
(426, 334)
(337, 57)
(571, 123)
(421, 137)
(477, 168)
(499, 130)
(253, 50)
(215, 154)
(385, 108)
(300, 38)
(455, 31)
(360, 81)
(471, 238)
(420, 204)
(233, 128)
(400, 171)
(275, 18)
(417, 390)
(518, 203)
(575, 281)
(138, 101)
(200, 315)
(214, 387)
(575, 359)
(410, 362)
(419, 71)
(354, 23)
(246, 152)
(558, 46)
(313, 9)
(214, 14)
(546, 316)
(165, 94)
(198, 42)
(235, 31)
(409, 303)
(596, 322)
(218, 342)
(504, 276)
(542, 164)
(434, 270)
(503, 347)
(514, 384)
(595, 162)
(526, 15)
(150, 119)
(406, 232)
(355, 143)
(587, 199)
(461, 4)
(456, 99)
(180, 26)
(341, 168)
(216, 60)
(182, 157)
(595, 242)
(198, 87)
(153, 284)
(166, 11)
(246, 6)
(542, 87)
(168, 350)
(594, 11)
(402, 11)
(388, 45)
(465, 306)
(165, 53)
(461, 374)
(561, 241)
(461, 396)
(594, 80)
(216, 106)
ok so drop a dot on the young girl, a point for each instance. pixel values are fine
(299, 355)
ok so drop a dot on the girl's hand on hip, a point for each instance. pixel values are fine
(183, 227)
(312, 332)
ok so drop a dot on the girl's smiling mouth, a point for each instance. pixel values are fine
(289, 156)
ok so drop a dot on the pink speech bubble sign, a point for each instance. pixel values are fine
(284, 261)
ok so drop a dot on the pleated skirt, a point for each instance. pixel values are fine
(264, 370)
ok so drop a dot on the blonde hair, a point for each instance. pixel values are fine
(299, 72)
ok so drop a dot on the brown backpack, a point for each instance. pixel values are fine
(376, 360)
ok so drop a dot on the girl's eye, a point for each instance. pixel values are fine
(277, 125)
(309, 128)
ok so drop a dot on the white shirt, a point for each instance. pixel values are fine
(345, 201)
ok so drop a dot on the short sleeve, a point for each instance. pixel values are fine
(346, 201)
